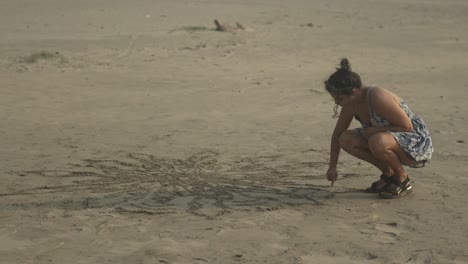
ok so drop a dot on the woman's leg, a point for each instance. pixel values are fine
(355, 144)
(385, 148)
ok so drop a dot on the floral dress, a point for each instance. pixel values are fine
(416, 144)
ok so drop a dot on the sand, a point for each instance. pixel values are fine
(133, 132)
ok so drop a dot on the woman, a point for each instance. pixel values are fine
(391, 134)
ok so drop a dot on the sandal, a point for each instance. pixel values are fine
(396, 189)
(374, 189)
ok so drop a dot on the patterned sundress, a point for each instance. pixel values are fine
(416, 144)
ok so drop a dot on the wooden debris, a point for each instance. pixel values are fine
(228, 28)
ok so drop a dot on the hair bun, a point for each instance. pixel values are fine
(345, 65)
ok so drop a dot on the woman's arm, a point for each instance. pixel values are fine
(387, 106)
(369, 131)
(346, 116)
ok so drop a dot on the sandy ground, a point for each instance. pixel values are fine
(132, 132)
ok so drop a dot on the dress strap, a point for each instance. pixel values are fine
(371, 112)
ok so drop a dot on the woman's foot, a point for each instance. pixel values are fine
(396, 189)
(380, 185)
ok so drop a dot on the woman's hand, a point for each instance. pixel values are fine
(332, 175)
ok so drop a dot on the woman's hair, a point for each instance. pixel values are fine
(343, 80)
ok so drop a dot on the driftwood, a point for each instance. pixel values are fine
(228, 28)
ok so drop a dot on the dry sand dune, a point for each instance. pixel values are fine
(134, 132)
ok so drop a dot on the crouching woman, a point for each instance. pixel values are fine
(390, 136)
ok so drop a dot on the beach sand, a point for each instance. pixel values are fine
(133, 132)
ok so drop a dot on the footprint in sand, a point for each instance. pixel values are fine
(387, 232)
(317, 258)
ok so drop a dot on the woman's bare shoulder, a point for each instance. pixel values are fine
(383, 100)
(380, 94)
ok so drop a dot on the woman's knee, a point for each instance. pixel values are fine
(379, 143)
(349, 139)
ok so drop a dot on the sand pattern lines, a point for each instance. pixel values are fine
(200, 184)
